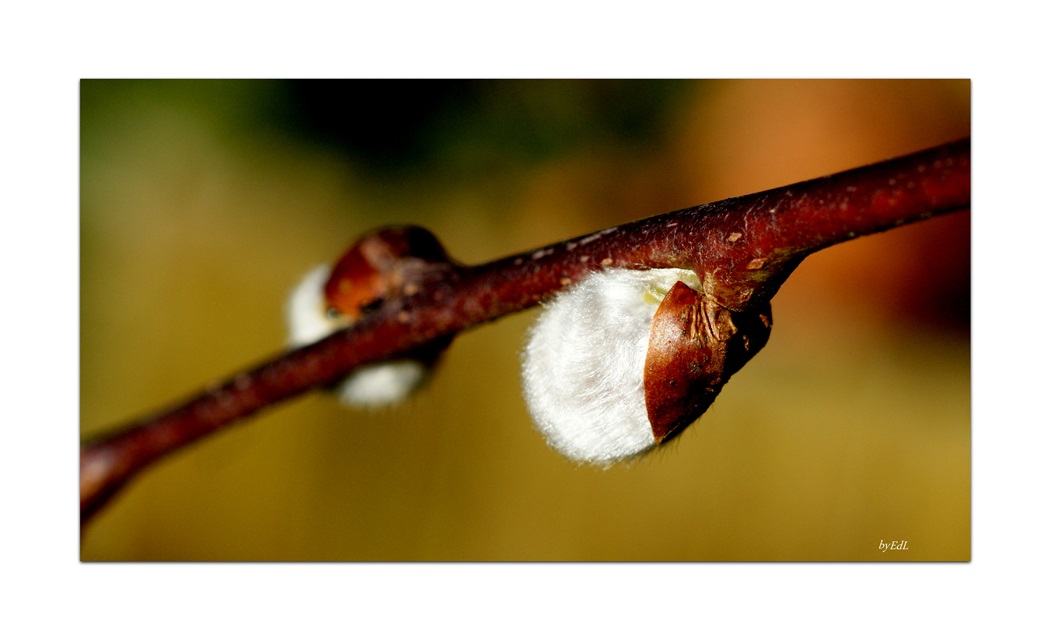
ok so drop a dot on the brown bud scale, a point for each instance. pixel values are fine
(695, 345)
(381, 265)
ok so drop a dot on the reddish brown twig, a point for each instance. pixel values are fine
(742, 248)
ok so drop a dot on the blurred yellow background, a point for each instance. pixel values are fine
(203, 203)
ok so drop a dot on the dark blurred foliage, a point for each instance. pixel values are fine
(460, 127)
(940, 299)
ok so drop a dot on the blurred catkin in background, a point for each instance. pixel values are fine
(203, 202)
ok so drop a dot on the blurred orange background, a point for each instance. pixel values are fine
(203, 203)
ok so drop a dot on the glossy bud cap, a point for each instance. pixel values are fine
(382, 264)
(695, 345)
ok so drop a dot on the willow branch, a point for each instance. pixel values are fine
(743, 249)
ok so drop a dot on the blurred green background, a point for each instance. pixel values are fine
(203, 202)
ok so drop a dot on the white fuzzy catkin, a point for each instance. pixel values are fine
(372, 385)
(584, 363)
